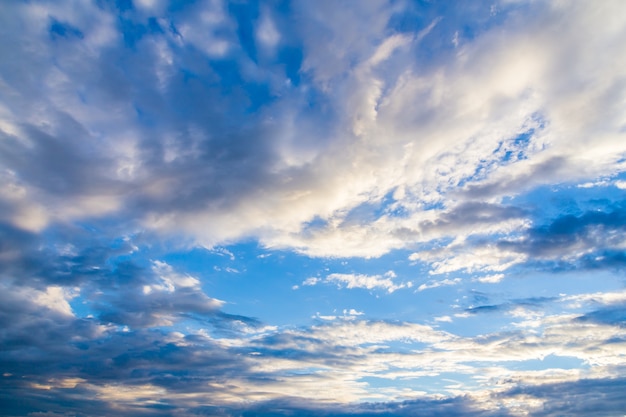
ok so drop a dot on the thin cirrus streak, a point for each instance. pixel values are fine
(312, 208)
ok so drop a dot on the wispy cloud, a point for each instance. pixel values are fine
(435, 284)
(369, 282)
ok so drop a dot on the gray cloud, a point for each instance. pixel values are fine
(589, 240)
(600, 397)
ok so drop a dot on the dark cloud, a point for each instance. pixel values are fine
(614, 315)
(487, 309)
(457, 406)
(17, 249)
(530, 303)
(586, 397)
(44, 343)
(63, 401)
(129, 359)
(194, 139)
(592, 397)
(589, 240)
(473, 215)
(539, 173)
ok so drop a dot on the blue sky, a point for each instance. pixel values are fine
(316, 208)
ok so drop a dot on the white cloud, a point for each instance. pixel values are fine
(472, 259)
(436, 284)
(56, 299)
(352, 312)
(209, 28)
(311, 281)
(621, 185)
(423, 131)
(266, 31)
(490, 279)
(155, 7)
(370, 282)
(601, 298)
(170, 280)
(485, 358)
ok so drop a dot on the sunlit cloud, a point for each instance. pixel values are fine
(370, 282)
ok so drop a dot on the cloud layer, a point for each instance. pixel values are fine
(451, 178)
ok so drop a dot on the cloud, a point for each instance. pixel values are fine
(311, 281)
(602, 298)
(435, 284)
(490, 279)
(132, 132)
(369, 282)
(219, 172)
(348, 314)
(260, 363)
(594, 396)
(614, 315)
(481, 257)
(589, 239)
(266, 32)
(335, 355)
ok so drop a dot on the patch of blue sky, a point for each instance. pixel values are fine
(372, 210)
(291, 58)
(400, 346)
(475, 308)
(389, 206)
(60, 29)
(469, 325)
(515, 149)
(316, 223)
(268, 284)
(245, 15)
(508, 151)
(252, 281)
(132, 28)
(121, 5)
(551, 361)
(328, 301)
(621, 176)
(545, 288)
(81, 307)
(133, 32)
(308, 371)
(261, 285)
(527, 284)
(435, 383)
(549, 202)
(446, 34)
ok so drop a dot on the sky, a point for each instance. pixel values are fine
(312, 208)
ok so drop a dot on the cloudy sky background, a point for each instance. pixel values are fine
(313, 207)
